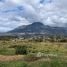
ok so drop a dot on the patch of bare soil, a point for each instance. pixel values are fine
(11, 58)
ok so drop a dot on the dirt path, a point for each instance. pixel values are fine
(11, 58)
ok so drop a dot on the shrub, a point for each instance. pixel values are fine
(38, 39)
(31, 57)
(21, 50)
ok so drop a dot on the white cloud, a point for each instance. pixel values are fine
(14, 13)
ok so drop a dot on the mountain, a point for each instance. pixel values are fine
(39, 28)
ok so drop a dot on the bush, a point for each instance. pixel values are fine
(31, 57)
(38, 39)
(21, 50)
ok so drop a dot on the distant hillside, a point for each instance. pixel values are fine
(39, 28)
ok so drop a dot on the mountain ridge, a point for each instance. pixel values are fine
(38, 27)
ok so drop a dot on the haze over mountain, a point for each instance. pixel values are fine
(39, 28)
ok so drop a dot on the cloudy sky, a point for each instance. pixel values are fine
(14, 13)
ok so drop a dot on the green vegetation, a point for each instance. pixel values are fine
(33, 52)
(21, 50)
(52, 63)
(13, 64)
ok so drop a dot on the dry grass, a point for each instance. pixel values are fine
(54, 48)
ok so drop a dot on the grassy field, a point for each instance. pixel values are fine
(26, 53)
(40, 63)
